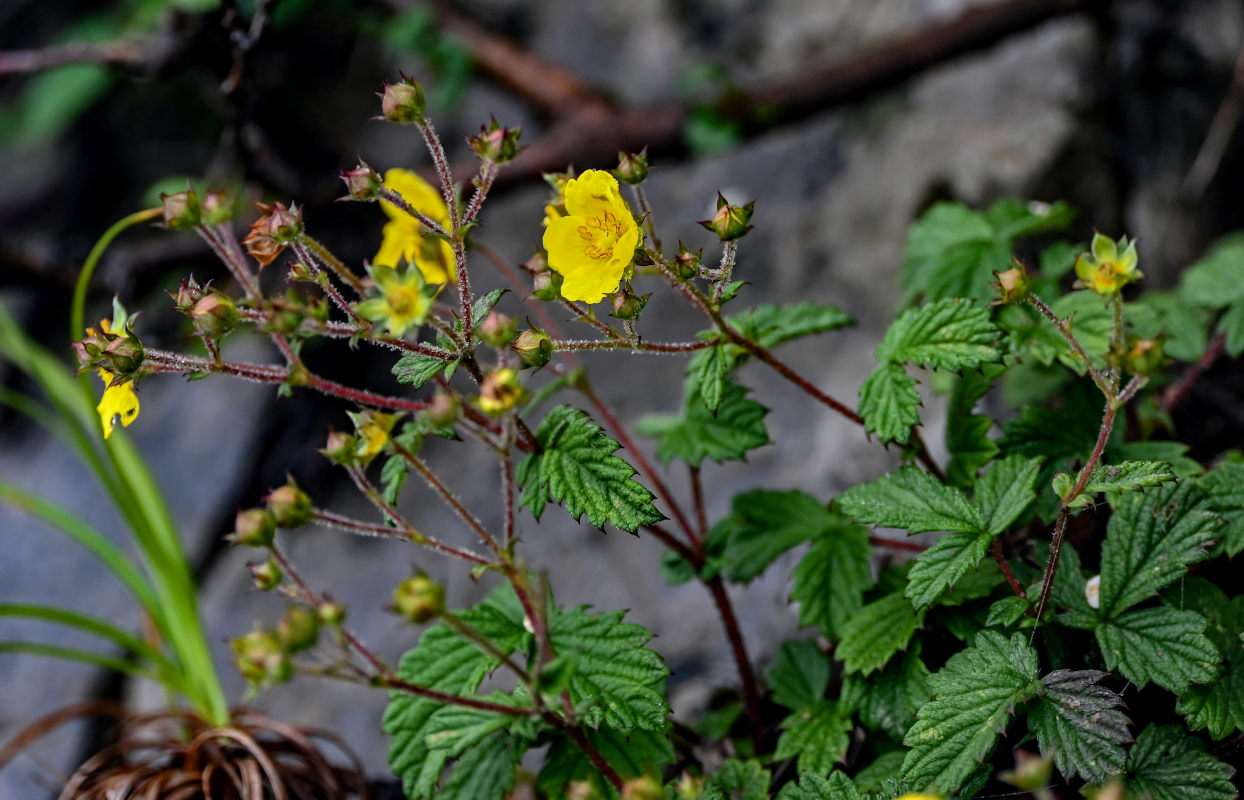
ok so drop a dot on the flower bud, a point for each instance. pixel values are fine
(261, 659)
(1144, 356)
(340, 448)
(402, 102)
(123, 355)
(497, 330)
(267, 575)
(188, 293)
(331, 614)
(689, 787)
(546, 285)
(627, 305)
(632, 167)
(182, 210)
(443, 410)
(217, 209)
(496, 144)
(645, 787)
(687, 263)
(276, 227)
(534, 348)
(299, 629)
(290, 507)
(538, 263)
(214, 314)
(730, 222)
(254, 527)
(419, 598)
(362, 182)
(500, 391)
(1013, 285)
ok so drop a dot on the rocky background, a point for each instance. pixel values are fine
(1104, 104)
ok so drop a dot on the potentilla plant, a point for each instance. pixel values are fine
(1054, 614)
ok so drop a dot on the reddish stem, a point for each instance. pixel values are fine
(1176, 392)
(751, 696)
(995, 549)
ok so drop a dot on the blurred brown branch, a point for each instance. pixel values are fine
(587, 128)
(131, 51)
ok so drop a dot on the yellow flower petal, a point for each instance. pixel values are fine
(418, 193)
(592, 247)
(405, 239)
(118, 401)
(400, 243)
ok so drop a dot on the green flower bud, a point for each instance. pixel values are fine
(730, 222)
(261, 659)
(627, 305)
(496, 144)
(254, 527)
(1013, 285)
(123, 355)
(534, 348)
(546, 285)
(217, 209)
(362, 183)
(290, 507)
(403, 102)
(419, 598)
(497, 329)
(632, 167)
(182, 210)
(1144, 356)
(331, 614)
(267, 575)
(214, 314)
(299, 629)
(443, 410)
(340, 448)
(687, 263)
(188, 293)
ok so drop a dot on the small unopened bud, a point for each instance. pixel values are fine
(632, 167)
(217, 209)
(538, 263)
(299, 629)
(442, 410)
(188, 293)
(267, 575)
(340, 448)
(419, 598)
(497, 330)
(254, 527)
(261, 659)
(534, 348)
(500, 391)
(123, 355)
(362, 182)
(289, 505)
(689, 787)
(1144, 356)
(546, 285)
(1013, 285)
(331, 614)
(627, 305)
(645, 787)
(730, 222)
(182, 210)
(687, 263)
(403, 102)
(495, 144)
(214, 314)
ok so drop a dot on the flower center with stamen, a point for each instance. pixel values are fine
(402, 300)
(601, 234)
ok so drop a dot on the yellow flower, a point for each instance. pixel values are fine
(403, 302)
(500, 391)
(405, 238)
(1106, 270)
(118, 401)
(373, 429)
(593, 246)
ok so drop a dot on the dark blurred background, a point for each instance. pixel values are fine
(844, 119)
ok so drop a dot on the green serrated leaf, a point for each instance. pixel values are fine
(888, 700)
(769, 325)
(974, 696)
(1150, 541)
(911, 499)
(1173, 453)
(576, 466)
(1214, 280)
(697, 433)
(949, 559)
(617, 681)
(456, 728)
(706, 374)
(967, 434)
(1167, 763)
(1225, 488)
(1231, 326)
(1081, 724)
(948, 334)
(799, 675)
(417, 369)
(889, 403)
(738, 780)
(1006, 611)
(1218, 707)
(765, 524)
(448, 663)
(876, 632)
(818, 735)
(1162, 645)
(485, 304)
(829, 582)
(1128, 476)
(485, 772)
(1006, 490)
(628, 754)
(1054, 434)
(392, 476)
(816, 787)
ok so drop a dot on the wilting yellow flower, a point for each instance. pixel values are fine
(405, 238)
(1106, 270)
(404, 299)
(500, 391)
(594, 244)
(373, 429)
(118, 401)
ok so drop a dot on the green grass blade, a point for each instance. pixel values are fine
(83, 656)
